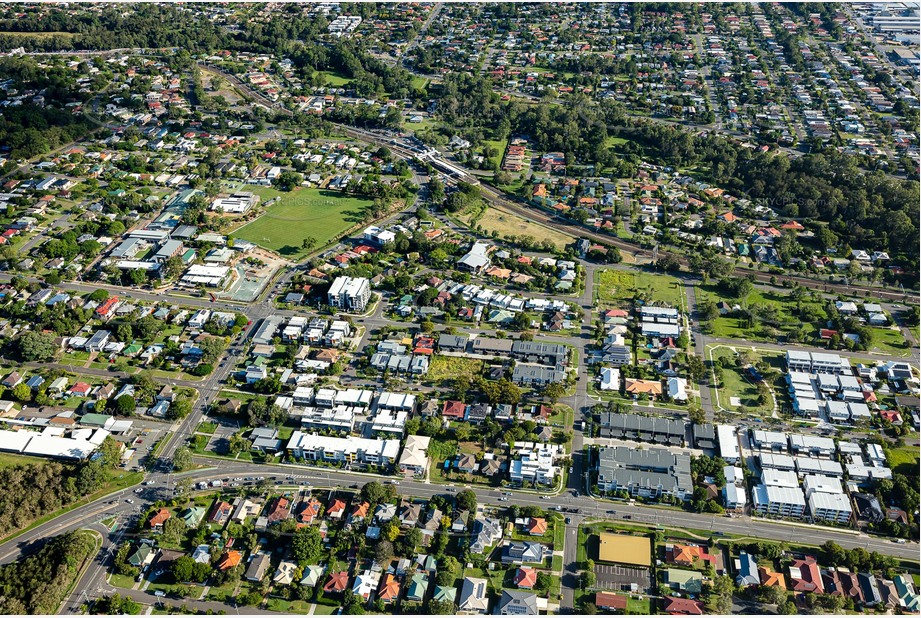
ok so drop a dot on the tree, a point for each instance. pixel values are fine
(308, 243)
(411, 540)
(182, 459)
(668, 262)
(98, 296)
(35, 346)
(587, 580)
(307, 545)
(288, 180)
(373, 492)
(22, 392)
(787, 609)
(124, 405)
(383, 551)
(834, 554)
(466, 500)
(553, 391)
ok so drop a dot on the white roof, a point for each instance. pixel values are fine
(14, 441)
(779, 478)
(832, 502)
(735, 494)
(729, 443)
(776, 460)
(822, 483)
(59, 447)
(772, 494)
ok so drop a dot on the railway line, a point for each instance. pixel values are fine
(499, 201)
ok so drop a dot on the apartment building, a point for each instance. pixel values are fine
(349, 293)
(350, 450)
(649, 473)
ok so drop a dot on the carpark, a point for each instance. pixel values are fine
(620, 577)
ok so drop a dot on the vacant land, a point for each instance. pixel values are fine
(302, 213)
(904, 460)
(506, 224)
(446, 368)
(619, 288)
(8, 460)
(738, 388)
(889, 341)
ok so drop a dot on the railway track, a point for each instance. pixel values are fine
(500, 202)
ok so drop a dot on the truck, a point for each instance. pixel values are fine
(217, 483)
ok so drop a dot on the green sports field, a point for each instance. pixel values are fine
(301, 213)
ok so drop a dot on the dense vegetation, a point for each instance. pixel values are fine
(37, 584)
(31, 131)
(34, 490)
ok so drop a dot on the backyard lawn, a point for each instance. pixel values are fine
(617, 288)
(317, 213)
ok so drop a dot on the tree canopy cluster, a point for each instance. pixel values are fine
(37, 584)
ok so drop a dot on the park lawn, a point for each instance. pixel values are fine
(334, 79)
(889, 341)
(619, 287)
(507, 224)
(419, 82)
(781, 302)
(318, 213)
(904, 460)
(446, 368)
(735, 384)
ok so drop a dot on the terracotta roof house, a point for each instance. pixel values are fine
(337, 582)
(336, 509)
(682, 607)
(805, 576)
(308, 511)
(389, 590)
(454, 409)
(159, 518)
(536, 526)
(642, 387)
(687, 554)
(278, 510)
(771, 578)
(230, 559)
(525, 578)
(359, 512)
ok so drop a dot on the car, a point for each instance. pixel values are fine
(569, 520)
(150, 483)
(129, 501)
(234, 484)
(900, 541)
(451, 489)
(507, 493)
(503, 499)
(138, 490)
(260, 478)
(545, 497)
(612, 512)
